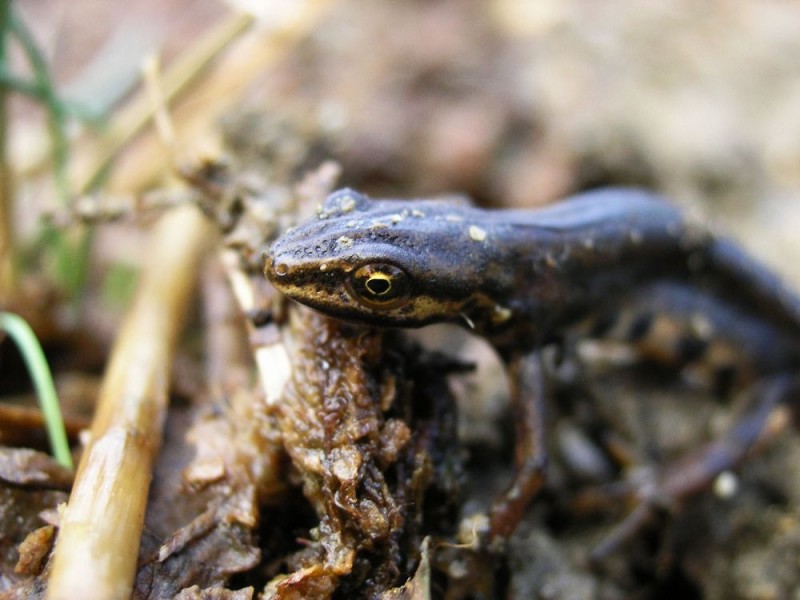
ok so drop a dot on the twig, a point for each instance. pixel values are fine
(18, 422)
(98, 544)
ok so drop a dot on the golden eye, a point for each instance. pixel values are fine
(379, 285)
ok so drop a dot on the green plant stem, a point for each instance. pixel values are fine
(20, 86)
(22, 334)
(57, 114)
(70, 269)
(7, 270)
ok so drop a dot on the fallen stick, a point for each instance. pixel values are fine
(101, 526)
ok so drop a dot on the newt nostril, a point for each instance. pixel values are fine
(273, 269)
(281, 269)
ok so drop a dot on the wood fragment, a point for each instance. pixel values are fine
(34, 549)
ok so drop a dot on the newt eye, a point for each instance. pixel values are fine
(380, 285)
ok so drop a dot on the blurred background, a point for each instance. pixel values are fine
(511, 101)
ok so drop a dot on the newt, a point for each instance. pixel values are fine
(528, 279)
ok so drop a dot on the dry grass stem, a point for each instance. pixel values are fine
(97, 548)
(93, 159)
(151, 71)
(272, 359)
(214, 91)
(213, 95)
(139, 113)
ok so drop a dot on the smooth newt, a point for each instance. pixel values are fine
(525, 279)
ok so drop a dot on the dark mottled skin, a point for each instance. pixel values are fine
(524, 279)
(548, 267)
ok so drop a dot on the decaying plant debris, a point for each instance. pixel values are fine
(369, 426)
(301, 457)
(371, 434)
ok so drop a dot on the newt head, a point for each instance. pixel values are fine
(380, 262)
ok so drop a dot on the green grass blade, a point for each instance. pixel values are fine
(32, 353)
(47, 93)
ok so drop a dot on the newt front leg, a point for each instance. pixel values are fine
(527, 390)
